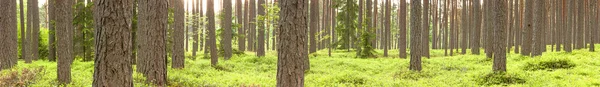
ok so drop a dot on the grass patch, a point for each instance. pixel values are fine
(21, 78)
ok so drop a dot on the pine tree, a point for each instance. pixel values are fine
(112, 66)
(8, 34)
(292, 38)
(415, 35)
(227, 31)
(154, 52)
(178, 36)
(499, 10)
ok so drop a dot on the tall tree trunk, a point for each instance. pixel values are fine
(292, 50)
(527, 34)
(8, 34)
(477, 29)
(386, 33)
(416, 37)
(425, 32)
(240, 21)
(25, 55)
(52, 28)
(402, 29)
(252, 28)
(178, 36)
(195, 27)
(64, 30)
(314, 23)
(34, 26)
(154, 24)
(569, 28)
(499, 22)
(112, 66)
(227, 32)
(260, 50)
(464, 29)
(210, 13)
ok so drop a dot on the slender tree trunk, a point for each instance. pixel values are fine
(52, 28)
(227, 32)
(402, 29)
(210, 13)
(477, 29)
(8, 34)
(464, 42)
(425, 32)
(25, 55)
(195, 26)
(240, 21)
(314, 21)
(252, 27)
(34, 26)
(387, 20)
(112, 66)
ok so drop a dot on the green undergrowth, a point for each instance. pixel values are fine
(553, 69)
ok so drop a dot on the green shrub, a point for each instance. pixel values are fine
(500, 79)
(549, 64)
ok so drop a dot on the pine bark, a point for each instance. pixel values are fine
(33, 25)
(212, 39)
(292, 49)
(402, 29)
(416, 37)
(178, 55)
(464, 40)
(527, 33)
(252, 28)
(386, 44)
(240, 21)
(314, 23)
(227, 31)
(499, 22)
(153, 21)
(8, 34)
(64, 30)
(260, 50)
(52, 6)
(477, 27)
(112, 66)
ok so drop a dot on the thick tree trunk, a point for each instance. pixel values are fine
(527, 34)
(416, 37)
(227, 32)
(154, 24)
(8, 34)
(292, 50)
(64, 30)
(499, 22)
(112, 66)
(178, 36)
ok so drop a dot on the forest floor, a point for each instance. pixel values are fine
(580, 68)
